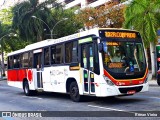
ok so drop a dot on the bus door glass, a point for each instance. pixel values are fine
(38, 67)
(87, 63)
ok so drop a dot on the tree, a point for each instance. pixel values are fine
(108, 15)
(66, 27)
(29, 28)
(143, 16)
(8, 42)
(5, 29)
(40, 27)
(6, 16)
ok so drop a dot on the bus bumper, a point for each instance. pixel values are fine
(107, 90)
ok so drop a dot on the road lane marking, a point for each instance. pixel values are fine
(155, 97)
(12, 101)
(149, 97)
(33, 97)
(110, 109)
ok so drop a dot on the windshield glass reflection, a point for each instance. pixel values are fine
(123, 57)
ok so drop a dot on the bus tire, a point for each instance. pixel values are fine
(74, 92)
(158, 79)
(27, 91)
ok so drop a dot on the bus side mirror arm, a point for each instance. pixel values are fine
(95, 38)
(100, 45)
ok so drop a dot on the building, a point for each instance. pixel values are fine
(8, 3)
(87, 3)
(66, 3)
(83, 3)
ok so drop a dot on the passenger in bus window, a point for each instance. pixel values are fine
(107, 58)
(53, 59)
(37, 66)
(136, 59)
(84, 58)
(118, 57)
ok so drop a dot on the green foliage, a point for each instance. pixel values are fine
(14, 43)
(5, 21)
(31, 29)
(39, 28)
(123, 0)
(9, 42)
(144, 16)
(109, 15)
(65, 27)
(5, 26)
(6, 16)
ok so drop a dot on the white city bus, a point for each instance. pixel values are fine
(81, 64)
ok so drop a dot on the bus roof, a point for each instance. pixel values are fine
(62, 39)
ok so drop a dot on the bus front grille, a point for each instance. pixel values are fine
(125, 90)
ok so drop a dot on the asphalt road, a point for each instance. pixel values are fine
(13, 99)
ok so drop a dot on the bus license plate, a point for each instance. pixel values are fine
(131, 92)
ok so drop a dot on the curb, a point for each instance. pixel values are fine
(5, 78)
(156, 85)
(153, 82)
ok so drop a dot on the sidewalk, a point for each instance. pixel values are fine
(4, 78)
(152, 82)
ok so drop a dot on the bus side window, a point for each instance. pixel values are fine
(16, 61)
(91, 58)
(30, 59)
(53, 54)
(84, 57)
(46, 56)
(71, 53)
(20, 58)
(59, 54)
(25, 60)
(10, 62)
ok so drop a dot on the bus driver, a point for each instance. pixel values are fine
(118, 57)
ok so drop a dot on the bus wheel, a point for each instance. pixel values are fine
(158, 79)
(27, 92)
(74, 92)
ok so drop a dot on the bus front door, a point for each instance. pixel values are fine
(87, 65)
(38, 69)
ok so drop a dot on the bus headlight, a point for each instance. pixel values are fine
(108, 81)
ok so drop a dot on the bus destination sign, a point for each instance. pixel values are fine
(120, 34)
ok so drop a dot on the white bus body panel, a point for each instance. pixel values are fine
(15, 84)
(55, 78)
(107, 90)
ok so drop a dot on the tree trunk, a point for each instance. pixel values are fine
(3, 67)
(39, 38)
(148, 55)
(153, 58)
(2, 62)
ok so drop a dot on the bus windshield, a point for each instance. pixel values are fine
(124, 59)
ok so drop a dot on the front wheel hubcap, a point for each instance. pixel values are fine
(74, 91)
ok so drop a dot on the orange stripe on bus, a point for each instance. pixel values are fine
(127, 81)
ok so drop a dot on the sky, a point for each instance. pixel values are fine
(1, 2)
(7, 3)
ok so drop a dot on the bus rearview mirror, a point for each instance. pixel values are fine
(100, 47)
